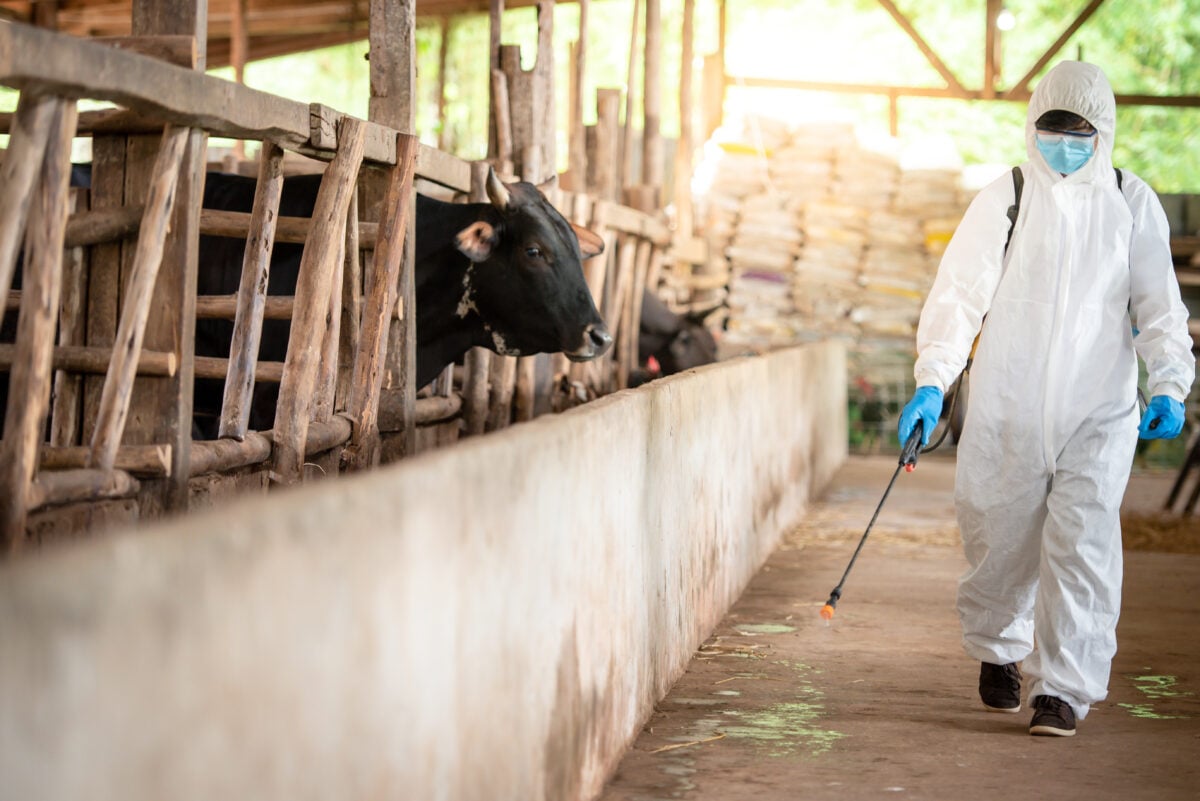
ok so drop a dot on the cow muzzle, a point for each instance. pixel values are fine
(596, 340)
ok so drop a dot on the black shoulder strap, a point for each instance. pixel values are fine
(1015, 208)
(1119, 177)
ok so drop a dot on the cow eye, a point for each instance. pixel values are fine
(533, 252)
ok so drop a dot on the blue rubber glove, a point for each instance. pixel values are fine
(1168, 413)
(926, 406)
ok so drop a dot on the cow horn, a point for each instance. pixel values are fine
(497, 192)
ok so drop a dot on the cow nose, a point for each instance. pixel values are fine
(599, 337)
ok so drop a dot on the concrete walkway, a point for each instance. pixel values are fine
(882, 703)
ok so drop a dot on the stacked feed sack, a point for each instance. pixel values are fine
(762, 256)
(895, 276)
(826, 288)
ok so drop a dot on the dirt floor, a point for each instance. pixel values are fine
(883, 703)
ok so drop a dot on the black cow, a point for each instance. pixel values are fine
(675, 342)
(504, 275)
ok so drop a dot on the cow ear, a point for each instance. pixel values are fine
(477, 240)
(590, 242)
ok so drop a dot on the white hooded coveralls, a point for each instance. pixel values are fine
(1051, 427)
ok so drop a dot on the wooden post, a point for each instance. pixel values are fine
(622, 301)
(627, 177)
(604, 160)
(443, 58)
(238, 45)
(392, 103)
(652, 150)
(502, 123)
(495, 17)
(352, 303)
(578, 164)
(29, 381)
(68, 387)
(26, 149)
(327, 370)
(252, 293)
(118, 384)
(477, 362)
(313, 286)
(631, 319)
(161, 409)
(362, 406)
(683, 153)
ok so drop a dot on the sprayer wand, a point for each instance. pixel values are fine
(908, 461)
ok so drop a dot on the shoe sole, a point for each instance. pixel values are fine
(1051, 731)
(1003, 710)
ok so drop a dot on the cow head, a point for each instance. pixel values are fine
(526, 278)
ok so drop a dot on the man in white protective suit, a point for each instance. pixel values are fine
(1083, 288)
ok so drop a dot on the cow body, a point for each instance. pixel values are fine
(676, 342)
(504, 275)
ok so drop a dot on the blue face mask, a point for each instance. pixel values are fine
(1065, 153)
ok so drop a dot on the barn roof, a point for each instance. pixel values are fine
(275, 27)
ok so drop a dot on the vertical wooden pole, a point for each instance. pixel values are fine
(252, 293)
(362, 406)
(317, 266)
(351, 311)
(68, 387)
(29, 380)
(443, 59)
(495, 17)
(238, 46)
(627, 150)
(392, 103)
(116, 398)
(327, 370)
(604, 160)
(545, 110)
(26, 149)
(578, 143)
(683, 153)
(161, 409)
(652, 150)
(477, 362)
(990, 47)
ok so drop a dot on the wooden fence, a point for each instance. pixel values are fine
(97, 426)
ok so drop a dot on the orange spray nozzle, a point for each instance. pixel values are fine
(827, 611)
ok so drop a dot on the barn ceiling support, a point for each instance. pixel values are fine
(923, 46)
(1019, 91)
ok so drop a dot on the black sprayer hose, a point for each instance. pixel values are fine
(908, 461)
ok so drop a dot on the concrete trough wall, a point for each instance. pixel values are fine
(491, 621)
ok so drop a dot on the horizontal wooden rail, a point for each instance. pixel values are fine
(31, 58)
(217, 456)
(149, 461)
(224, 307)
(78, 486)
(94, 360)
(217, 368)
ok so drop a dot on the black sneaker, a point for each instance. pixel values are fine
(1052, 716)
(1000, 687)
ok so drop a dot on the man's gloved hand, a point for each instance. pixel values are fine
(926, 406)
(1168, 413)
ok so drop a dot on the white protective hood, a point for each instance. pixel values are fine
(1052, 417)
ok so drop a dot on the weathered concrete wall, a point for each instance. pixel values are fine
(492, 621)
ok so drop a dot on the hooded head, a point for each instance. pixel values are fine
(1082, 89)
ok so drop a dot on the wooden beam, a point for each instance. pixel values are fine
(31, 130)
(317, 265)
(118, 384)
(94, 360)
(991, 48)
(383, 286)
(626, 174)
(252, 294)
(652, 149)
(79, 486)
(29, 384)
(1023, 84)
(923, 46)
